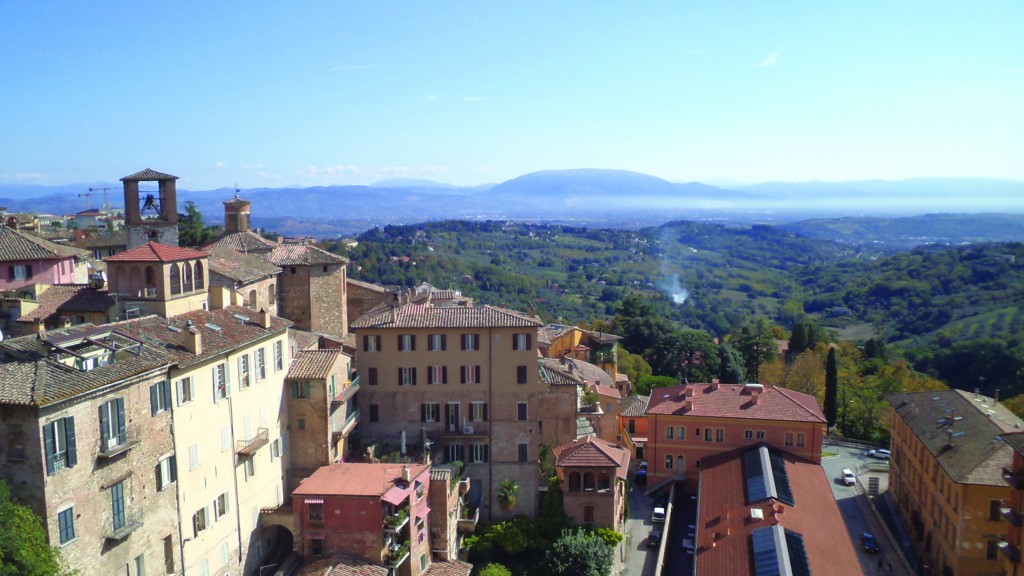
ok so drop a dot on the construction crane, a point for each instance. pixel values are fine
(106, 205)
(87, 196)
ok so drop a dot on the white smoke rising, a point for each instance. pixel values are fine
(674, 288)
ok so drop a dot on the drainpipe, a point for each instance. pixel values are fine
(177, 492)
(234, 469)
(490, 425)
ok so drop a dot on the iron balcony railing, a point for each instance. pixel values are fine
(122, 442)
(250, 446)
(119, 527)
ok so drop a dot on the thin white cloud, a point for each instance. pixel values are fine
(29, 176)
(351, 67)
(482, 169)
(771, 60)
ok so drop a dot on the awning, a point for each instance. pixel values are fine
(395, 496)
(314, 500)
(423, 512)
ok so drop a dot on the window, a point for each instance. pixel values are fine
(374, 413)
(437, 375)
(112, 424)
(371, 343)
(707, 434)
(760, 434)
(193, 456)
(430, 412)
(169, 555)
(140, 564)
(521, 342)
(632, 426)
(371, 376)
(669, 432)
(186, 390)
(315, 512)
(316, 546)
(225, 554)
(470, 375)
(300, 389)
(160, 397)
(995, 510)
(681, 433)
(470, 341)
(454, 452)
(275, 449)
(437, 342)
(478, 411)
(225, 438)
(243, 371)
(221, 388)
(278, 356)
(200, 521)
(59, 441)
(668, 462)
(250, 467)
(992, 550)
(406, 342)
(719, 435)
(204, 564)
(220, 506)
(117, 506)
(302, 423)
(423, 562)
(521, 375)
(407, 376)
(788, 439)
(479, 453)
(66, 525)
(524, 452)
(801, 440)
(748, 434)
(19, 272)
(166, 472)
(588, 514)
(331, 395)
(521, 408)
(261, 364)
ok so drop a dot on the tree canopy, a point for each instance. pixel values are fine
(23, 547)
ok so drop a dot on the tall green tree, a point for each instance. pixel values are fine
(23, 547)
(757, 343)
(731, 369)
(797, 340)
(191, 230)
(579, 553)
(831, 387)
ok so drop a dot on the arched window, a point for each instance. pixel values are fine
(187, 269)
(680, 465)
(668, 462)
(150, 282)
(253, 300)
(588, 481)
(574, 482)
(200, 282)
(135, 285)
(588, 514)
(272, 295)
(604, 481)
(175, 277)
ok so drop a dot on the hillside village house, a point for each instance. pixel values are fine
(688, 423)
(632, 415)
(593, 475)
(49, 306)
(28, 259)
(465, 381)
(948, 476)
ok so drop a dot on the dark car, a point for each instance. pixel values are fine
(640, 479)
(655, 538)
(868, 543)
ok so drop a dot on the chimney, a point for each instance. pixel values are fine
(754, 396)
(715, 384)
(194, 340)
(394, 315)
(995, 397)
(952, 416)
(264, 318)
(687, 405)
(406, 473)
(688, 392)
(949, 437)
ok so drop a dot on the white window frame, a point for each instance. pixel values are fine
(221, 506)
(476, 411)
(243, 371)
(200, 520)
(168, 472)
(436, 375)
(221, 388)
(405, 343)
(478, 453)
(407, 377)
(432, 411)
(193, 457)
(186, 390)
(261, 364)
(278, 356)
(436, 342)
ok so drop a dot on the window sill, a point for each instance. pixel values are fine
(69, 542)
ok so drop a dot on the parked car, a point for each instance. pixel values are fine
(881, 454)
(659, 515)
(868, 543)
(640, 478)
(848, 477)
(655, 538)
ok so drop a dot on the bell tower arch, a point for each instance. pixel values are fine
(150, 215)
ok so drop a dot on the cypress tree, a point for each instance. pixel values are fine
(831, 387)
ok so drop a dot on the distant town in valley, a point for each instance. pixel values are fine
(530, 392)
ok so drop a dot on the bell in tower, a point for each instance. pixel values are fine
(150, 215)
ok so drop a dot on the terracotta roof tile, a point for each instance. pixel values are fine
(239, 266)
(554, 373)
(342, 564)
(68, 298)
(976, 452)
(634, 406)
(313, 364)
(606, 391)
(367, 285)
(302, 255)
(725, 518)
(147, 175)
(452, 568)
(422, 316)
(16, 245)
(247, 241)
(592, 452)
(735, 401)
(356, 479)
(157, 252)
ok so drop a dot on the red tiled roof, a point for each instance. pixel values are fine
(147, 175)
(424, 316)
(342, 564)
(310, 364)
(736, 401)
(592, 452)
(606, 391)
(452, 568)
(157, 252)
(302, 255)
(725, 519)
(356, 479)
(69, 298)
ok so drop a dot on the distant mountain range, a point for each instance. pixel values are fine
(609, 198)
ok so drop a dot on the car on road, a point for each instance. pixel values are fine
(880, 454)
(659, 515)
(848, 477)
(868, 543)
(640, 478)
(655, 538)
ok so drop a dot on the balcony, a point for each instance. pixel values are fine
(1010, 551)
(340, 398)
(477, 429)
(249, 447)
(1010, 516)
(469, 519)
(464, 486)
(119, 528)
(346, 426)
(395, 522)
(396, 555)
(123, 442)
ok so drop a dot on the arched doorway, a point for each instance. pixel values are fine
(276, 542)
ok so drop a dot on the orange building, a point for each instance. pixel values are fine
(946, 476)
(1013, 509)
(593, 474)
(691, 422)
(632, 414)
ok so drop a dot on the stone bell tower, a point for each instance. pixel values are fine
(150, 215)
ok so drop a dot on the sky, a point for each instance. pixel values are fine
(270, 94)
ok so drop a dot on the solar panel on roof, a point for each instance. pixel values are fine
(767, 552)
(765, 476)
(754, 476)
(798, 563)
(781, 476)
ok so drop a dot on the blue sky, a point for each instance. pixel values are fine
(316, 93)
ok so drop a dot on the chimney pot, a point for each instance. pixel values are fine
(194, 341)
(264, 318)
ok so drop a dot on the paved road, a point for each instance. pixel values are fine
(851, 504)
(639, 559)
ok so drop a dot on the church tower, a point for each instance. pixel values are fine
(150, 215)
